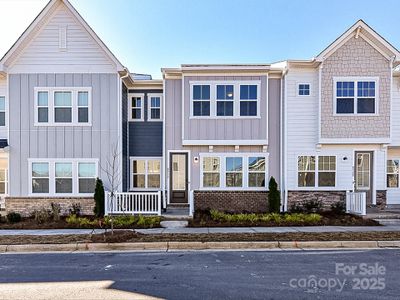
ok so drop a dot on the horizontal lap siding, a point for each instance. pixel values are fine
(27, 141)
(145, 138)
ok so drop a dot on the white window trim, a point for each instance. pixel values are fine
(236, 98)
(5, 111)
(149, 107)
(130, 96)
(298, 89)
(52, 177)
(51, 116)
(316, 171)
(387, 173)
(356, 80)
(146, 159)
(245, 171)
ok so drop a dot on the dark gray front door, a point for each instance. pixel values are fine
(364, 173)
(179, 177)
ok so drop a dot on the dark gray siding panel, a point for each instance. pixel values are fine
(145, 138)
(125, 156)
(274, 113)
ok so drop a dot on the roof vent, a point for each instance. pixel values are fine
(62, 37)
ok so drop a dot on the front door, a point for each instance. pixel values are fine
(178, 175)
(363, 173)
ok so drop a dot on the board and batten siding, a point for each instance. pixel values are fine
(28, 141)
(82, 53)
(228, 128)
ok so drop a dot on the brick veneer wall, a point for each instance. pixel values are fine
(381, 199)
(326, 197)
(27, 205)
(232, 201)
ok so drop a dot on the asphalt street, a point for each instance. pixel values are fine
(327, 274)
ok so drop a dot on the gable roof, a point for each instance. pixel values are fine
(26, 36)
(363, 30)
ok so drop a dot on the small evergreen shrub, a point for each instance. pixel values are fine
(55, 211)
(99, 198)
(41, 216)
(75, 209)
(312, 206)
(14, 217)
(338, 208)
(274, 197)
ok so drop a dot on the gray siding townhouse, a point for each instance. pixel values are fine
(60, 112)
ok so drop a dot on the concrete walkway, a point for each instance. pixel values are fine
(206, 230)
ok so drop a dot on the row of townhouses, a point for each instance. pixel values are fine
(206, 135)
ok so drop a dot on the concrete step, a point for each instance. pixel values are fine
(383, 215)
(174, 224)
(388, 222)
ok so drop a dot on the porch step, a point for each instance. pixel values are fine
(178, 205)
(384, 215)
(388, 222)
(177, 213)
(174, 224)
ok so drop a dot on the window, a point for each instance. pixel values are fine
(62, 106)
(40, 177)
(326, 171)
(304, 89)
(146, 173)
(63, 176)
(234, 172)
(2, 111)
(83, 107)
(3, 175)
(137, 108)
(154, 104)
(248, 100)
(211, 171)
(225, 96)
(306, 171)
(256, 171)
(86, 177)
(201, 100)
(316, 171)
(392, 173)
(356, 97)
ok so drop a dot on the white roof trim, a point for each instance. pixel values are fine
(79, 18)
(352, 31)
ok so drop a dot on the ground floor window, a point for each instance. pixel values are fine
(3, 175)
(145, 173)
(63, 177)
(392, 173)
(316, 171)
(233, 170)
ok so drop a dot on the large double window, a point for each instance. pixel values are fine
(225, 99)
(145, 173)
(356, 96)
(233, 171)
(316, 171)
(62, 106)
(63, 177)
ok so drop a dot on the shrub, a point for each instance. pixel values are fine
(312, 218)
(338, 208)
(55, 211)
(75, 209)
(274, 196)
(14, 217)
(41, 216)
(99, 198)
(296, 208)
(79, 221)
(312, 206)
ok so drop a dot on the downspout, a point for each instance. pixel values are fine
(164, 168)
(285, 108)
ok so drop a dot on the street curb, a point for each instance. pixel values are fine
(171, 246)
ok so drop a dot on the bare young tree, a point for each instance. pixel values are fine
(113, 172)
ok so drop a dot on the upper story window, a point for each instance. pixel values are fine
(356, 96)
(154, 107)
(62, 106)
(304, 89)
(201, 100)
(248, 100)
(136, 111)
(225, 99)
(2, 111)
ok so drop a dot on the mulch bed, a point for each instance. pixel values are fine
(203, 219)
(130, 236)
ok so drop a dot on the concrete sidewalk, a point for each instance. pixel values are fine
(207, 230)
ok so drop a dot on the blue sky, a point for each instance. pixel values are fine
(149, 34)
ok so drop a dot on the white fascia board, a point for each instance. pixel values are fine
(339, 141)
(224, 142)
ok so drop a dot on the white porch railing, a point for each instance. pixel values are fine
(133, 203)
(356, 203)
